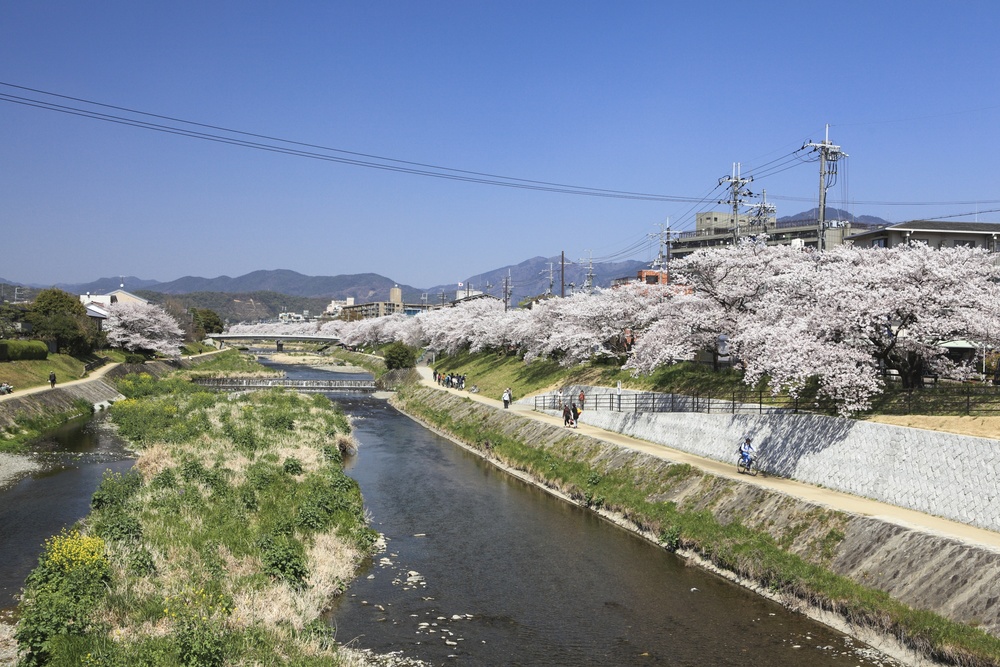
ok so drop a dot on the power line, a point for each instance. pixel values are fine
(402, 166)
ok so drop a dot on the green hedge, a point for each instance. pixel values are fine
(23, 350)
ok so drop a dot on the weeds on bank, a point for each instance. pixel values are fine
(224, 543)
(748, 552)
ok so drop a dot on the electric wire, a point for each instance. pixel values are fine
(770, 168)
(415, 168)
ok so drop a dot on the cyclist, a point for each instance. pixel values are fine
(747, 452)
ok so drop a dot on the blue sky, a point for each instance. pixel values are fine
(652, 97)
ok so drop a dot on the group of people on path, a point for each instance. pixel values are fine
(451, 381)
(571, 414)
(507, 397)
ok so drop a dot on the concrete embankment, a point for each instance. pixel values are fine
(953, 579)
(945, 474)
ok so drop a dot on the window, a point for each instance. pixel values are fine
(878, 243)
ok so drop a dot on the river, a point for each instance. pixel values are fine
(479, 568)
(75, 458)
(483, 569)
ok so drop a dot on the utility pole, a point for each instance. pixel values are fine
(663, 256)
(588, 284)
(548, 292)
(762, 212)
(562, 275)
(829, 154)
(737, 191)
(507, 290)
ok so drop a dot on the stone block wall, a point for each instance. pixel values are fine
(953, 476)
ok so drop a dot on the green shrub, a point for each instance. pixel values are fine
(292, 466)
(115, 489)
(284, 558)
(23, 350)
(399, 355)
(60, 593)
(117, 525)
(135, 358)
(278, 421)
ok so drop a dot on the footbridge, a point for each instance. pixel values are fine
(278, 339)
(308, 386)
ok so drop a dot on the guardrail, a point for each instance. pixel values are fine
(97, 363)
(247, 384)
(931, 399)
(738, 403)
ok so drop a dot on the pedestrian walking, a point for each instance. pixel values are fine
(52, 379)
(506, 398)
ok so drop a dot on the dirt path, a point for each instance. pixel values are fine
(97, 373)
(833, 499)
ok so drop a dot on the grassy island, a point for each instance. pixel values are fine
(224, 544)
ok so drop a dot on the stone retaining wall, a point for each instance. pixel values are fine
(953, 476)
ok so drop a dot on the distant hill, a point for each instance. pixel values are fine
(242, 307)
(363, 286)
(834, 214)
(265, 294)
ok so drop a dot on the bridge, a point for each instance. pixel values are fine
(314, 386)
(279, 339)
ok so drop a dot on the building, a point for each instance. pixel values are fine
(97, 305)
(935, 233)
(365, 311)
(715, 228)
(106, 300)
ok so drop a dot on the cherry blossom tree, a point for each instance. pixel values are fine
(143, 327)
(850, 313)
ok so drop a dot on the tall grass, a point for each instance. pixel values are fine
(230, 536)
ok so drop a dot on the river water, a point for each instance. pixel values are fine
(40, 505)
(483, 569)
(479, 568)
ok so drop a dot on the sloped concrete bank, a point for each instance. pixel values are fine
(956, 581)
(945, 474)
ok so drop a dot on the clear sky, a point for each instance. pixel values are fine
(651, 97)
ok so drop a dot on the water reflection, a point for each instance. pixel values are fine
(75, 459)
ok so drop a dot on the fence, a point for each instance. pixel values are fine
(944, 399)
(298, 385)
(738, 402)
(97, 363)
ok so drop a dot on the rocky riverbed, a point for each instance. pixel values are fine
(15, 466)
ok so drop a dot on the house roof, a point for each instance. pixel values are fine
(937, 226)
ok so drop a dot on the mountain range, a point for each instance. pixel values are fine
(529, 278)
(264, 294)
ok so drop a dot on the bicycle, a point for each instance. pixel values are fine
(747, 465)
